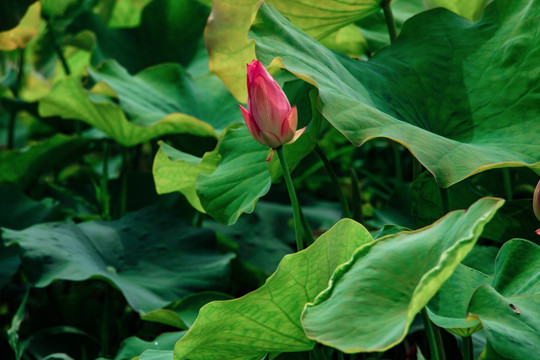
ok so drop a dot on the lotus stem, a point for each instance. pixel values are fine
(389, 17)
(467, 348)
(294, 199)
(335, 182)
(430, 333)
(13, 115)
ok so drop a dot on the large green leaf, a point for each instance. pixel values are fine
(240, 179)
(157, 101)
(22, 166)
(448, 308)
(268, 319)
(474, 113)
(228, 25)
(149, 255)
(469, 296)
(510, 323)
(374, 298)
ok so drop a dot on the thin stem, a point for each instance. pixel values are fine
(335, 182)
(58, 50)
(308, 233)
(467, 348)
(13, 115)
(439, 341)
(507, 180)
(105, 198)
(389, 17)
(397, 163)
(123, 180)
(294, 200)
(106, 322)
(416, 168)
(430, 335)
(444, 199)
(356, 197)
(65, 65)
(340, 355)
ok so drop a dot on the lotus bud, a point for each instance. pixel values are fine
(269, 117)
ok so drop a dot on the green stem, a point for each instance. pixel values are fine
(294, 200)
(123, 181)
(106, 322)
(105, 198)
(58, 50)
(416, 168)
(507, 180)
(439, 341)
(340, 355)
(389, 17)
(335, 182)
(13, 115)
(430, 335)
(308, 234)
(356, 197)
(397, 163)
(467, 348)
(65, 65)
(444, 199)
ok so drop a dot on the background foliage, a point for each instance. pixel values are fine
(133, 197)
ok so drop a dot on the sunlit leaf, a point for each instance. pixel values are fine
(268, 319)
(25, 31)
(470, 9)
(240, 179)
(374, 298)
(158, 101)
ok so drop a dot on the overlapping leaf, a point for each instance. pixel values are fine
(157, 101)
(509, 309)
(22, 166)
(474, 112)
(149, 255)
(268, 319)
(228, 25)
(225, 182)
(374, 298)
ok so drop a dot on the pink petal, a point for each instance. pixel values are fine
(288, 126)
(251, 125)
(270, 154)
(267, 104)
(253, 70)
(296, 135)
(270, 139)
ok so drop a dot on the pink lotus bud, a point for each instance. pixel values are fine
(269, 117)
(536, 203)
